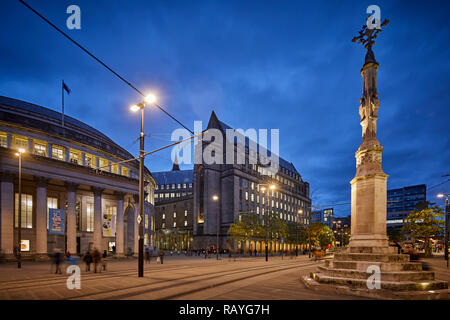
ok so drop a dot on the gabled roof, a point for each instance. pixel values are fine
(214, 122)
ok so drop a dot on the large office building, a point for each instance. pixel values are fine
(325, 216)
(401, 201)
(174, 209)
(195, 207)
(223, 191)
(70, 166)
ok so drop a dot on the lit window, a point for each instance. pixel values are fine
(174, 214)
(115, 168)
(179, 186)
(185, 223)
(20, 143)
(89, 217)
(52, 203)
(163, 225)
(26, 211)
(190, 185)
(174, 224)
(125, 172)
(185, 213)
(104, 164)
(58, 152)
(246, 195)
(172, 195)
(89, 160)
(167, 195)
(3, 140)
(163, 216)
(173, 186)
(184, 185)
(40, 149)
(74, 156)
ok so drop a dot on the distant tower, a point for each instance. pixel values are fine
(175, 166)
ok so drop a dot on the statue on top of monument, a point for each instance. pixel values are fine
(367, 38)
(368, 109)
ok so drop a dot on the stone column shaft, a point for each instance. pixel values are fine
(71, 218)
(120, 226)
(98, 218)
(7, 214)
(41, 216)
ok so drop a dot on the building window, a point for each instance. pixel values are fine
(52, 203)
(179, 186)
(184, 185)
(104, 164)
(163, 225)
(161, 187)
(246, 195)
(163, 216)
(167, 195)
(3, 140)
(185, 223)
(174, 224)
(252, 197)
(20, 143)
(89, 217)
(172, 195)
(125, 172)
(89, 160)
(174, 215)
(173, 186)
(26, 211)
(115, 168)
(74, 156)
(185, 213)
(40, 148)
(58, 153)
(190, 185)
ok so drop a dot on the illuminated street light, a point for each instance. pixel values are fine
(135, 108)
(215, 198)
(263, 188)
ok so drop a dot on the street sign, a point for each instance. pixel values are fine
(139, 219)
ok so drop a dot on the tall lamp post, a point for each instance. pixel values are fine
(441, 195)
(216, 198)
(300, 213)
(19, 209)
(264, 187)
(135, 108)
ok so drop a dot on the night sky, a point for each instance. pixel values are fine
(258, 64)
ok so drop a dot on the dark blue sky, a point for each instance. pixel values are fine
(258, 64)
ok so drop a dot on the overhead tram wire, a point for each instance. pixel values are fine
(101, 62)
(189, 139)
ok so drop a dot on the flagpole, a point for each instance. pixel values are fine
(62, 91)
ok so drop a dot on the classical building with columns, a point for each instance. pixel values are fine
(72, 166)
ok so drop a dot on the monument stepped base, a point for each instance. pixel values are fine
(348, 272)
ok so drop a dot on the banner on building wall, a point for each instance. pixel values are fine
(109, 225)
(56, 221)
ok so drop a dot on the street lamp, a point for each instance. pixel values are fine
(264, 187)
(441, 195)
(140, 106)
(300, 213)
(19, 229)
(216, 198)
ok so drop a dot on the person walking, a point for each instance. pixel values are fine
(87, 260)
(161, 256)
(96, 259)
(104, 256)
(147, 255)
(57, 261)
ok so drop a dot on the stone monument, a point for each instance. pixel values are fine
(368, 266)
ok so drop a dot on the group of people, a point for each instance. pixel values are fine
(96, 258)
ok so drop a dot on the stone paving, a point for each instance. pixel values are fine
(179, 277)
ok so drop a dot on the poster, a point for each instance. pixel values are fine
(109, 225)
(24, 245)
(56, 221)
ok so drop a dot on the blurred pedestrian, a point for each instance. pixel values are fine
(87, 260)
(104, 256)
(147, 255)
(57, 257)
(96, 257)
